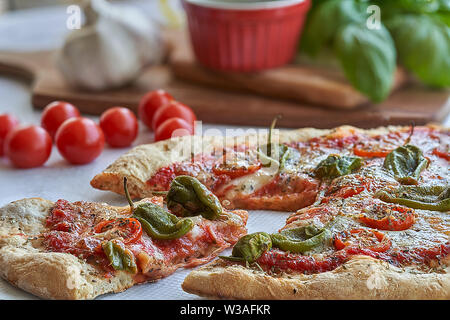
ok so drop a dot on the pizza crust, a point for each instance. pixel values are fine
(50, 275)
(142, 162)
(361, 277)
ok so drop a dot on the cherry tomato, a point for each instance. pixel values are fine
(362, 238)
(129, 229)
(151, 102)
(120, 127)
(174, 109)
(388, 217)
(28, 147)
(173, 127)
(55, 114)
(80, 140)
(7, 123)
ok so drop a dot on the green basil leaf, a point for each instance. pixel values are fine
(325, 19)
(406, 164)
(423, 46)
(435, 198)
(335, 166)
(368, 58)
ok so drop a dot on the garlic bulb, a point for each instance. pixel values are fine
(112, 47)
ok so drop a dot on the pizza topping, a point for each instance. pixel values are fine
(406, 163)
(300, 240)
(120, 258)
(434, 198)
(157, 222)
(236, 164)
(335, 166)
(250, 247)
(279, 155)
(128, 229)
(441, 154)
(188, 197)
(383, 217)
(161, 224)
(362, 238)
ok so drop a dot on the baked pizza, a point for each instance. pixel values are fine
(79, 250)
(371, 209)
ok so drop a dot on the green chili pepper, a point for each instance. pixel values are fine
(157, 222)
(286, 158)
(335, 166)
(434, 198)
(189, 197)
(300, 240)
(406, 163)
(250, 247)
(119, 257)
(160, 224)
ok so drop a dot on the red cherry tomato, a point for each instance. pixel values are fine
(174, 109)
(80, 140)
(28, 147)
(55, 114)
(120, 127)
(174, 127)
(151, 102)
(7, 123)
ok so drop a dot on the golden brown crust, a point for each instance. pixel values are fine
(361, 277)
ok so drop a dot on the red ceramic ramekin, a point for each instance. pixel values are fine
(245, 36)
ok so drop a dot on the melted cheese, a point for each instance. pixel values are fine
(250, 183)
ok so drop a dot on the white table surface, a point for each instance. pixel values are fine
(44, 29)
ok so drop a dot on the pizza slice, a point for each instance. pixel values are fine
(233, 168)
(260, 171)
(379, 229)
(79, 250)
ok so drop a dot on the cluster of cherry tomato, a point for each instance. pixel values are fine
(80, 140)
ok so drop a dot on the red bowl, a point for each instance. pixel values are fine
(245, 36)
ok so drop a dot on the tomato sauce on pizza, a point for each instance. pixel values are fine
(348, 204)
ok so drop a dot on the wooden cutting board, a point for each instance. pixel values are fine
(303, 82)
(222, 107)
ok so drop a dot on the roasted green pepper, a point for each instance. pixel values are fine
(434, 198)
(300, 240)
(286, 158)
(250, 247)
(406, 163)
(157, 222)
(189, 197)
(119, 257)
(160, 224)
(335, 166)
